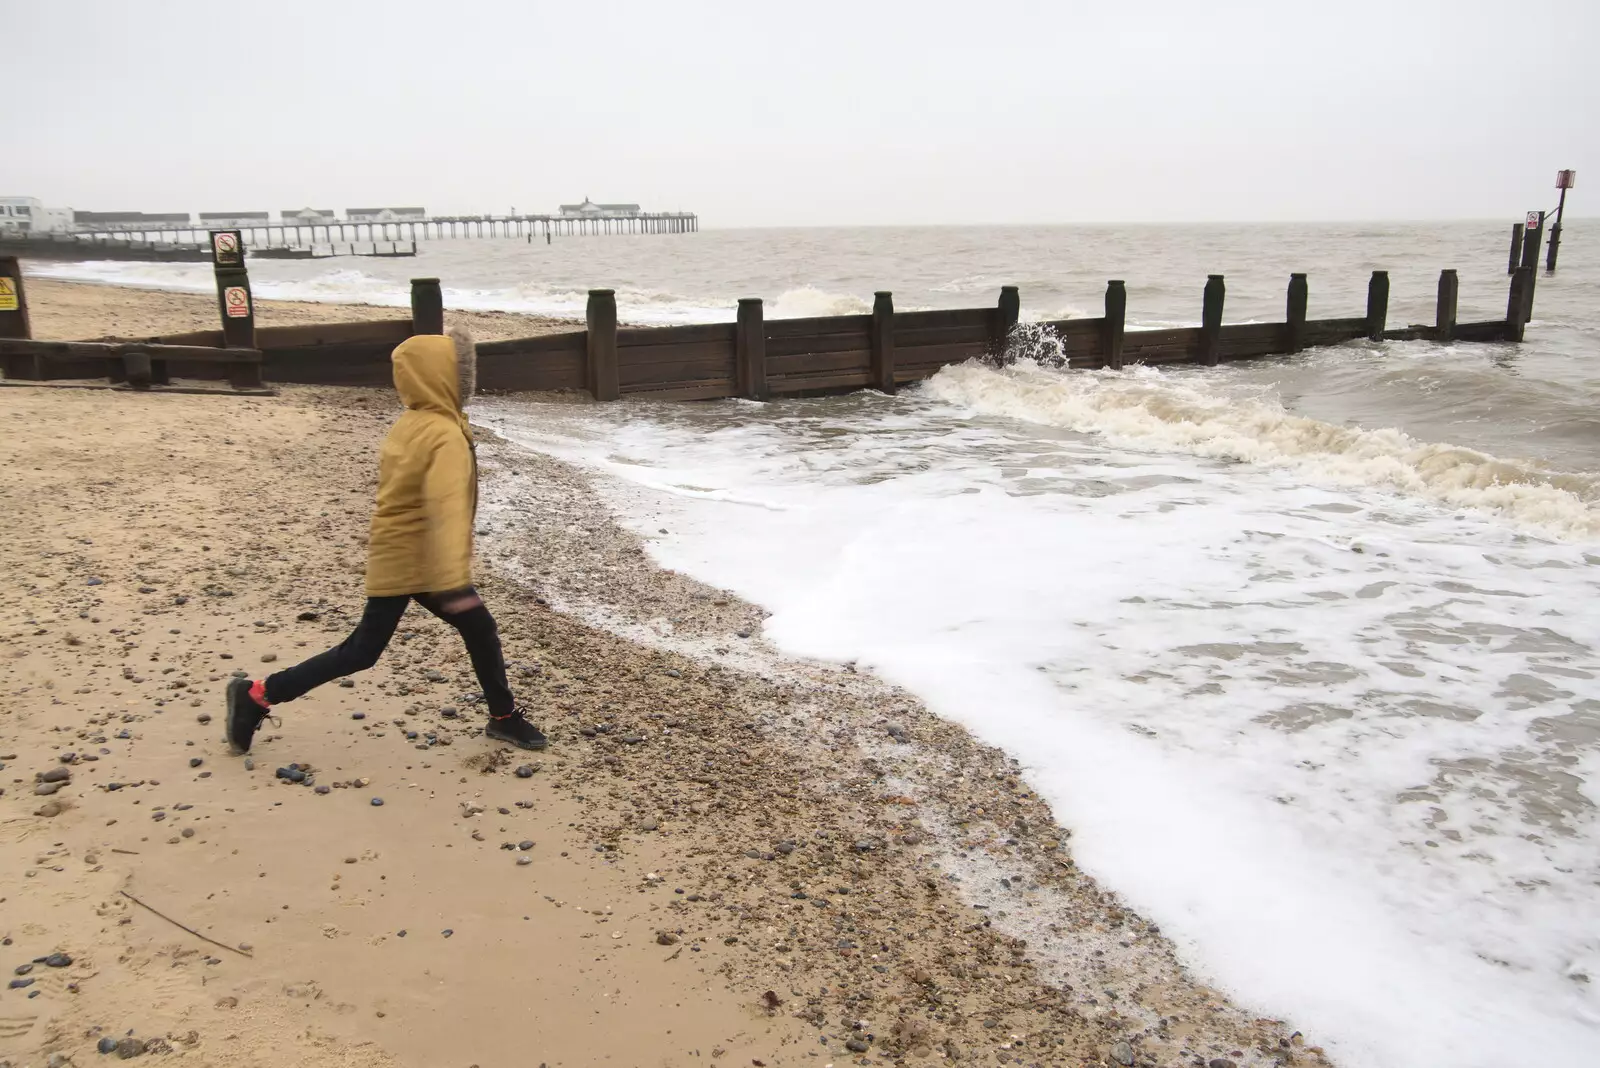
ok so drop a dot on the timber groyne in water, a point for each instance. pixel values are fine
(751, 357)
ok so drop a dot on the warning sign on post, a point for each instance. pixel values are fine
(237, 302)
(8, 294)
(226, 248)
(1533, 220)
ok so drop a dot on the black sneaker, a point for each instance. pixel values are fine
(516, 729)
(244, 716)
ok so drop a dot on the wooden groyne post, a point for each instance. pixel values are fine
(601, 346)
(1377, 305)
(427, 306)
(1113, 325)
(14, 322)
(1211, 319)
(883, 342)
(235, 303)
(1515, 260)
(750, 349)
(1006, 314)
(13, 301)
(1295, 327)
(1444, 317)
(1518, 302)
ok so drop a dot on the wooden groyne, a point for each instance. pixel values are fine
(752, 357)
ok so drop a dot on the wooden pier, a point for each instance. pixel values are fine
(445, 227)
(752, 357)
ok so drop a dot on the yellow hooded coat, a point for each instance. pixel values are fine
(421, 540)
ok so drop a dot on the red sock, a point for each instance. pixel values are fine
(258, 693)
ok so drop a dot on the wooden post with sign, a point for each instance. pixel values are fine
(427, 306)
(750, 349)
(1295, 328)
(237, 307)
(1565, 180)
(883, 342)
(14, 321)
(1444, 321)
(1377, 305)
(1516, 249)
(1211, 319)
(1532, 238)
(1112, 326)
(602, 345)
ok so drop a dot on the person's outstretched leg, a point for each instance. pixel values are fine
(465, 611)
(249, 701)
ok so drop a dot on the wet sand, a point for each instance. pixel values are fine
(724, 857)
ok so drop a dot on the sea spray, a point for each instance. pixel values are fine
(1148, 408)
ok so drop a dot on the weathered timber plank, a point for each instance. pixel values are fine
(698, 391)
(393, 331)
(636, 355)
(665, 374)
(940, 335)
(945, 318)
(1076, 327)
(570, 341)
(825, 324)
(805, 383)
(514, 373)
(795, 346)
(676, 335)
(820, 362)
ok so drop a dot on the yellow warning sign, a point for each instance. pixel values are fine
(8, 294)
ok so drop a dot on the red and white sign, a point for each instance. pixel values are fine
(226, 244)
(1533, 220)
(1566, 179)
(237, 302)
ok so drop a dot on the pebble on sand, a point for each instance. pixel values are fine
(377, 802)
(107, 1045)
(524, 771)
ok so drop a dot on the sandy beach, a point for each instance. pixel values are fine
(79, 311)
(724, 857)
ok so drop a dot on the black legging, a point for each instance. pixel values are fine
(361, 650)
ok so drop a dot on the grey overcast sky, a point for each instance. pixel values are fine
(807, 113)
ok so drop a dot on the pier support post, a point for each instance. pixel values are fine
(1112, 325)
(1211, 319)
(602, 345)
(1516, 249)
(14, 322)
(1377, 305)
(427, 307)
(1005, 320)
(1295, 328)
(750, 349)
(1517, 302)
(1445, 311)
(883, 342)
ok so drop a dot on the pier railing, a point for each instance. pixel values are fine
(752, 357)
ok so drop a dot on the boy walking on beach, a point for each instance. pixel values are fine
(420, 548)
